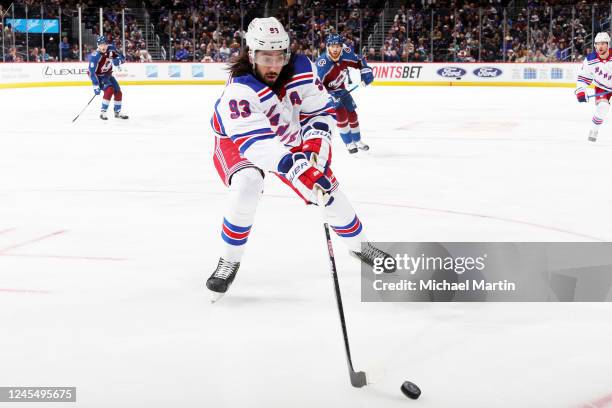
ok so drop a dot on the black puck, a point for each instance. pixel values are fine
(410, 390)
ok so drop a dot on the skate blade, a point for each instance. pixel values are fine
(215, 296)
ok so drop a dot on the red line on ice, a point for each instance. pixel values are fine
(31, 241)
(9, 290)
(491, 217)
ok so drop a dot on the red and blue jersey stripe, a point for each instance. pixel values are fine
(327, 110)
(302, 79)
(265, 94)
(216, 123)
(244, 140)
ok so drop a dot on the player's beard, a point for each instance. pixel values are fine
(241, 65)
(271, 78)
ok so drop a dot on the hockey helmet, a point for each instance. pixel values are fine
(602, 37)
(267, 34)
(334, 39)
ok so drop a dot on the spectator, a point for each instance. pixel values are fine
(65, 49)
(224, 51)
(182, 54)
(43, 56)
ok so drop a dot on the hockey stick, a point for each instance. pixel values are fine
(338, 98)
(77, 116)
(599, 94)
(358, 378)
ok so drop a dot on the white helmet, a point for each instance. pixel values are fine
(602, 37)
(267, 34)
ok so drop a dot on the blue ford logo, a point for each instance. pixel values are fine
(451, 72)
(487, 72)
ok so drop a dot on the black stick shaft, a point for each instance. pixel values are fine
(357, 379)
(83, 110)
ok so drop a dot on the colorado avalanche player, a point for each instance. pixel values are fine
(332, 68)
(101, 64)
(597, 69)
(275, 116)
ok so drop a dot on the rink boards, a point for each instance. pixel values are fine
(22, 75)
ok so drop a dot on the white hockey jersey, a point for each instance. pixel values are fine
(596, 71)
(265, 127)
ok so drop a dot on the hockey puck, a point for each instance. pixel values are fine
(410, 390)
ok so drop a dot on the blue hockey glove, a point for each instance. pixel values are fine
(96, 89)
(366, 75)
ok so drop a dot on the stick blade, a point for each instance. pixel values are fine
(358, 379)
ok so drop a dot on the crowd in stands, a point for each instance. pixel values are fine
(414, 30)
(36, 48)
(467, 32)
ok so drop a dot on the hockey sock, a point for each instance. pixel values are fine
(108, 93)
(354, 126)
(118, 97)
(245, 191)
(601, 111)
(345, 223)
(343, 125)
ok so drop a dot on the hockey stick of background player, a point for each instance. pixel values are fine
(599, 94)
(77, 116)
(358, 379)
(337, 98)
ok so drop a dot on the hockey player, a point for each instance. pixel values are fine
(597, 69)
(101, 64)
(275, 116)
(332, 68)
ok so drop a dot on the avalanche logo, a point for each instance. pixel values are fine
(197, 71)
(49, 26)
(151, 71)
(321, 62)
(451, 72)
(32, 25)
(174, 71)
(336, 83)
(487, 72)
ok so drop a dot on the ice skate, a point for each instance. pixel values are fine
(369, 253)
(103, 116)
(362, 146)
(352, 148)
(120, 115)
(593, 135)
(222, 278)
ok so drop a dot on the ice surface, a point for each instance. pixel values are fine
(109, 230)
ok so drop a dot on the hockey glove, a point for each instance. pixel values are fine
(306, 179)
(367, 76)
(317, 145)
(96, 89)
(581, 95)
